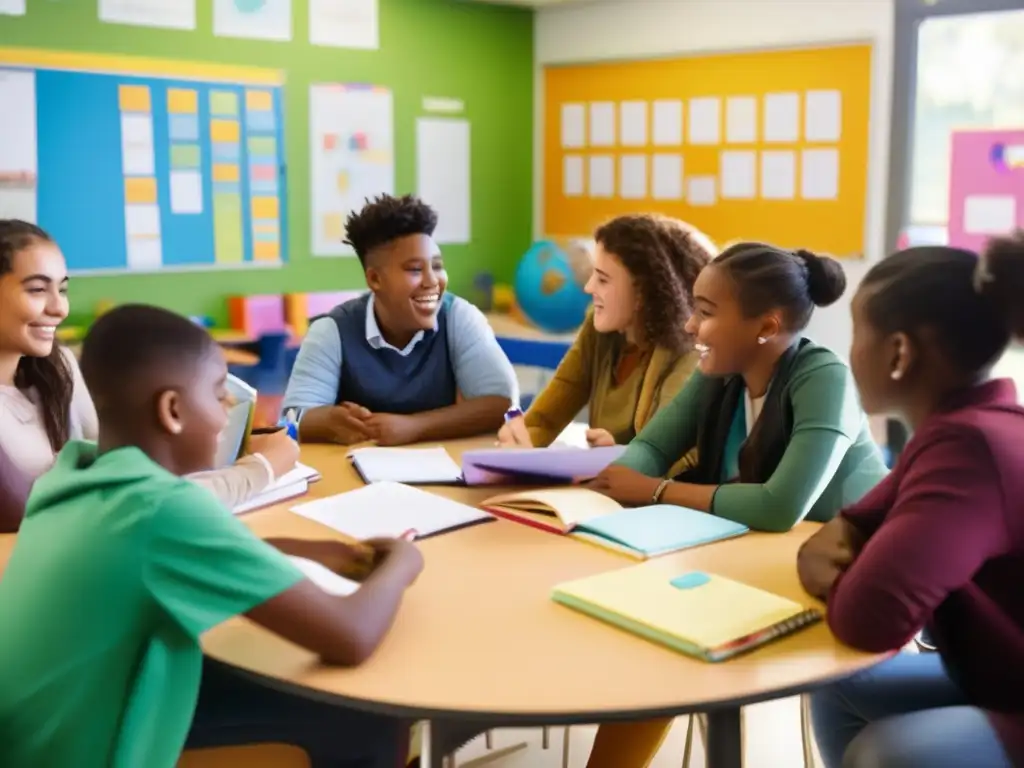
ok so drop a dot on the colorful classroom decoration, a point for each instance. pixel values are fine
(344, 23)
(986, 186)
(300, 308)
(12, 7)
(254, 316)
(766, 145)
(443, 175)
(255, 19)
(141, 165)
(352, 148)
(169, 14)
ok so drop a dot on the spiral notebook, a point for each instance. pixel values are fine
(702, 615)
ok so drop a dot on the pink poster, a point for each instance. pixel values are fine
(986, 186)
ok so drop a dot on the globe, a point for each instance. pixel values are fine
(549, 284)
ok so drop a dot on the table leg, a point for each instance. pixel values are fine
(724, 743)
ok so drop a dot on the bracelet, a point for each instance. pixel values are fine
(659, 491)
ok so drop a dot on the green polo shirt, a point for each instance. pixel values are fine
(119, 567)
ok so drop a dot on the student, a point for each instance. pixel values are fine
(940, 542)
(43, 400)
(121, 565)
(632, 354)
(408, 361)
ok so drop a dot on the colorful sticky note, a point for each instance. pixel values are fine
(333, 226)
(184, 127)
(134, 98)
(227, 228)
(263, 251)
(224, 130)
(265, 208)
(140, 190)
(262, 172)
(343, 181)
(330, 141)
(182, 101)
(264, 146)
(225, 172)
(259, 101)
(224, 103)
(185, 156)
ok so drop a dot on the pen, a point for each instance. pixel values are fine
(512, 413)
(409, 535)
(289, 423)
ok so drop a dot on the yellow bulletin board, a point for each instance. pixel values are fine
(768, 146)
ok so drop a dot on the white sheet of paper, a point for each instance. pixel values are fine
(18, 147)
(344, 23)
(602, 123)
(737, 172)
(145, 254)
(142, 220)
(601, 176)
(700, 190)
(705, 120)
(136, 130)
(782, 117)
(823, 115)
(407, 465)
(137, 160)
(171, 14)
(324, 577)
(819, 174)
(186, 192)
(389, 509)
(633, 177)
(667, 121)
(741, 119)
(633, 123)
(12, 7)
(572, 176)
(574, 126)
(667, 176)
(443, 175)
(266, 20)
(990, 214)
(18, 203)
(778, 175)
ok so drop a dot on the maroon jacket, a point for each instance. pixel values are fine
(946, 550)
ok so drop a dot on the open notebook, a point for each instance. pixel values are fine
(390, 510)
(288, 486)
(639, 532)
(699, 614)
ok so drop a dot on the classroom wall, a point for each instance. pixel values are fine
(478, 53)
(636, 29)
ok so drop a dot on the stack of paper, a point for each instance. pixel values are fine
(288, 486)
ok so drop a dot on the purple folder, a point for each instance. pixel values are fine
(492, 466)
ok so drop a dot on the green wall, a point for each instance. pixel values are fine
(479, 53)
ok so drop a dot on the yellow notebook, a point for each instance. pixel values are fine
(699, 614)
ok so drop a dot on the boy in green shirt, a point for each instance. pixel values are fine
(121, 565)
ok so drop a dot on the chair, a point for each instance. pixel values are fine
(251, 756)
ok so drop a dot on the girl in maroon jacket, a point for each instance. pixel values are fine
(940, 542)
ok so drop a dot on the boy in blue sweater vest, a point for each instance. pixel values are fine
(406, 362)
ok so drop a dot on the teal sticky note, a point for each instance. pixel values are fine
(690, 580)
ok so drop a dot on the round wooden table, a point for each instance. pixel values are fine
(479, 639)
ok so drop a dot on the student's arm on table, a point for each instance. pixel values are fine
(313, 389)
(949, 519)
(204, 566)
(273, 455)
(14, 489)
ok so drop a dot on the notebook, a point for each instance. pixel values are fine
(638, 532)
(288, 486)
(557, 462)
(241, 412)
(324, 577)
(390, 510)
(416, 466)
(702, 615)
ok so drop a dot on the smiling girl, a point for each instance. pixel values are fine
(633, 353)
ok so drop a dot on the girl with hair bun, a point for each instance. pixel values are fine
(939, 544)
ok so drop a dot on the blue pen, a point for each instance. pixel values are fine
(289, 423)
(512, 413)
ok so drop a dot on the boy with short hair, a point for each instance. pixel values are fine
(391, 365)
(121, 565)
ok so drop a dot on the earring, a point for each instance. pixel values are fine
(896, 375)
(762, 340)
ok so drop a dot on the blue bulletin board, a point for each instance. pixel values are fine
(144, 166)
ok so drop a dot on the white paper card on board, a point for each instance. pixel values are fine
(819, 174)
(700, 190)
(170, 14)
(667, 176)
(778, 175)
(574, 124)
(667, 121)
(18, 203)
(263, 20)
(136, 129)
(602, 123)
(443, 175)
(344, 23)
(138, 161)
(12, 7)
(633, 177)
(142, 220)
(18, 148)
(990, 214)
(145, 254)
(782, 117)
(705, 118)
(572, 176)
(738, 175)
(741, 120)
(633, 123)
(186, 192)
(601, 176)
(823, 115)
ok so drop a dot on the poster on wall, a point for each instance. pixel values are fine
(344, 23)
(254, 19)
(12, 7)
(171, 14)
(18, 151)
(986, 186)
(443, 175)
(352, 156)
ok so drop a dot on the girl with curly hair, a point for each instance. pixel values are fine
(633, 353)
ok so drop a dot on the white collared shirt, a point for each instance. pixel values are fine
(376, 339)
